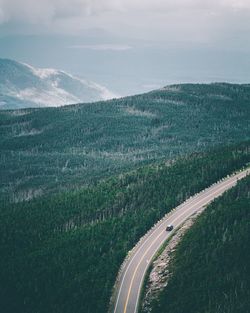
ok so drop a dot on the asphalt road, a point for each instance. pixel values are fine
(133, 273)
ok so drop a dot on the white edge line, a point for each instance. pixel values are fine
(160, 222)
(163, 220)
(138, 295)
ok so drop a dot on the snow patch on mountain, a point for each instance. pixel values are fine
(55, 96)
(43, 73)
(22, 85)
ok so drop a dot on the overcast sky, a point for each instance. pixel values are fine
(172, 38)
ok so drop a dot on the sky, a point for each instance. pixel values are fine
(131, 46)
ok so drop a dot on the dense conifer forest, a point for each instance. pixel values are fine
(212, 263)
(81, 184)
(61, 252)
(46, 150)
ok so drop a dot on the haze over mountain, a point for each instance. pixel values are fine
(131, 46)
(22, 85)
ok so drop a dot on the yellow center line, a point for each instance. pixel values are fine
(240, 175)
(133, 277)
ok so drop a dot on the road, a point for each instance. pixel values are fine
(133, 272)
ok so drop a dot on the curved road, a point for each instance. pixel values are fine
(133, 273)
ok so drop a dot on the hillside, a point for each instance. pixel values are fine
(51, 149)
(212, 263)
(61, 253)
(24, 86)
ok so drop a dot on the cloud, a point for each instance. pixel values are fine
(45, 11)
(34, 11)
(237, 4)
(2, 17)
(103, 47)
(200, 21)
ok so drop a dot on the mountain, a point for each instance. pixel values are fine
(47, 149)
(80, 184)
(22, 85)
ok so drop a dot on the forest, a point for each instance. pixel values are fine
(48, 150)
(210, 268)
(61, 252)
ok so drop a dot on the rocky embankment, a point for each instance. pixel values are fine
(160, 273)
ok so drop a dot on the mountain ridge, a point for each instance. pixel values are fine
(22, 85)
(73, 145)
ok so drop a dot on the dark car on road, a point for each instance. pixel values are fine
(169, 228)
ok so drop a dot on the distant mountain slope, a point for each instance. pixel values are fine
(50, 148)
(22, 85)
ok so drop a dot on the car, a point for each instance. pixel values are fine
(169, 228)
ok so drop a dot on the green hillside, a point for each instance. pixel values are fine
(211, 269)
(44, 150)
(61, 253)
